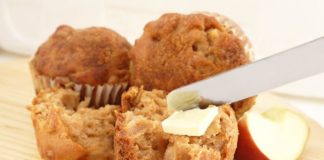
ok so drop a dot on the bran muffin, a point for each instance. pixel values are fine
(178, 49)
(139, 134)
(93, 61)
(67, 129)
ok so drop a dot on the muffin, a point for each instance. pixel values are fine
(139, 134)
(92, 61)
(177, 49)
(68, 129)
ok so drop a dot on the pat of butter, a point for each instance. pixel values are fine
(192, 122)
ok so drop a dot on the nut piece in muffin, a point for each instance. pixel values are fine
(67, 129)
(178, 49)
(139, 134)
(93, 61)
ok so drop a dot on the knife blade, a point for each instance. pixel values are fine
(248, 80)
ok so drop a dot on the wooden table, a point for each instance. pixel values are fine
(17, 139)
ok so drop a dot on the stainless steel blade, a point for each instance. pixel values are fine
(265, 74)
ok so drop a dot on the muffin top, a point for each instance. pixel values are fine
(92, 56)
(177, 49)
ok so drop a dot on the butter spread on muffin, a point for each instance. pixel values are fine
(139, 134)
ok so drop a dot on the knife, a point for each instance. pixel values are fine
(248, 80)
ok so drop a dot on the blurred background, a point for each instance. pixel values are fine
(272, 26)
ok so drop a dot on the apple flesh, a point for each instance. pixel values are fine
(275, 134)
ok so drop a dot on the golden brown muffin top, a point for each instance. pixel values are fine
(177, 49)
(92, 56)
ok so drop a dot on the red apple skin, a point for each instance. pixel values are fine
(246, 148)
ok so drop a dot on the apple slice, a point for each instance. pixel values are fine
(275, 134)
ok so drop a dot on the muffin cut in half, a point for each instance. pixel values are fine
(67, 129)
(139, 134)
(176, 50)
(92, 61)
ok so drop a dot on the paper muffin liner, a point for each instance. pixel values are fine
(234, 29)
(100, 95)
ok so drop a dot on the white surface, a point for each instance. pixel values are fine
(26, 24)
(272, 25)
